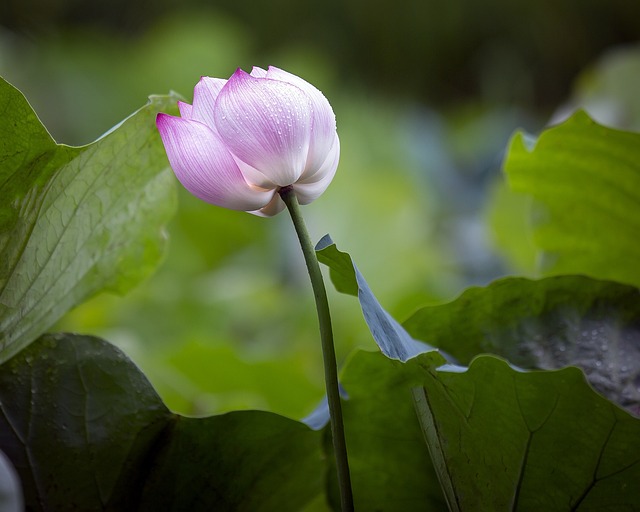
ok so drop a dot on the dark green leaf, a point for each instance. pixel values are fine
(86, 431)
(245, 460)
(585, 179)
(389, 462)
(75, 221)
(503, 439)
(498, 435)
(548, 323)
(78, 421)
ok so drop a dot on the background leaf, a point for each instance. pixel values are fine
(585, 179)
(74, 221)
(507, 215)
(86, 431)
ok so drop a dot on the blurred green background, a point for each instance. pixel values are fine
(426, 96)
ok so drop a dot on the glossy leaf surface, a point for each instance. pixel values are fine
(75, 220)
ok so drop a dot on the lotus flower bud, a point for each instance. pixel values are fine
(245, 138)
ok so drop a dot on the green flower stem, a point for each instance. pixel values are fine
(328, 350)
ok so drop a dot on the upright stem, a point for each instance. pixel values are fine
(328, 350)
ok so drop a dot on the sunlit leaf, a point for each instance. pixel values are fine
(75, 220)
(585, 179)
(507, 216)
(86, 431)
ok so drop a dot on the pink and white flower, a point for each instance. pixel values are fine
(245, 138)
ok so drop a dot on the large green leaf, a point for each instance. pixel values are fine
(548, 323)
(244, 460)
(388, 460)
(503, 439)
(77, 420)
(86, 431)
(585, 179)
(500, 438)
(75, 220)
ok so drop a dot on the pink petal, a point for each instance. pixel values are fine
(328, 166)
(254, 176)
(205, 94)
(185, 110)
(275, 206)
(324, 120)
(257, 72)
(205, 167)
(267, 124)
(310, 188)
